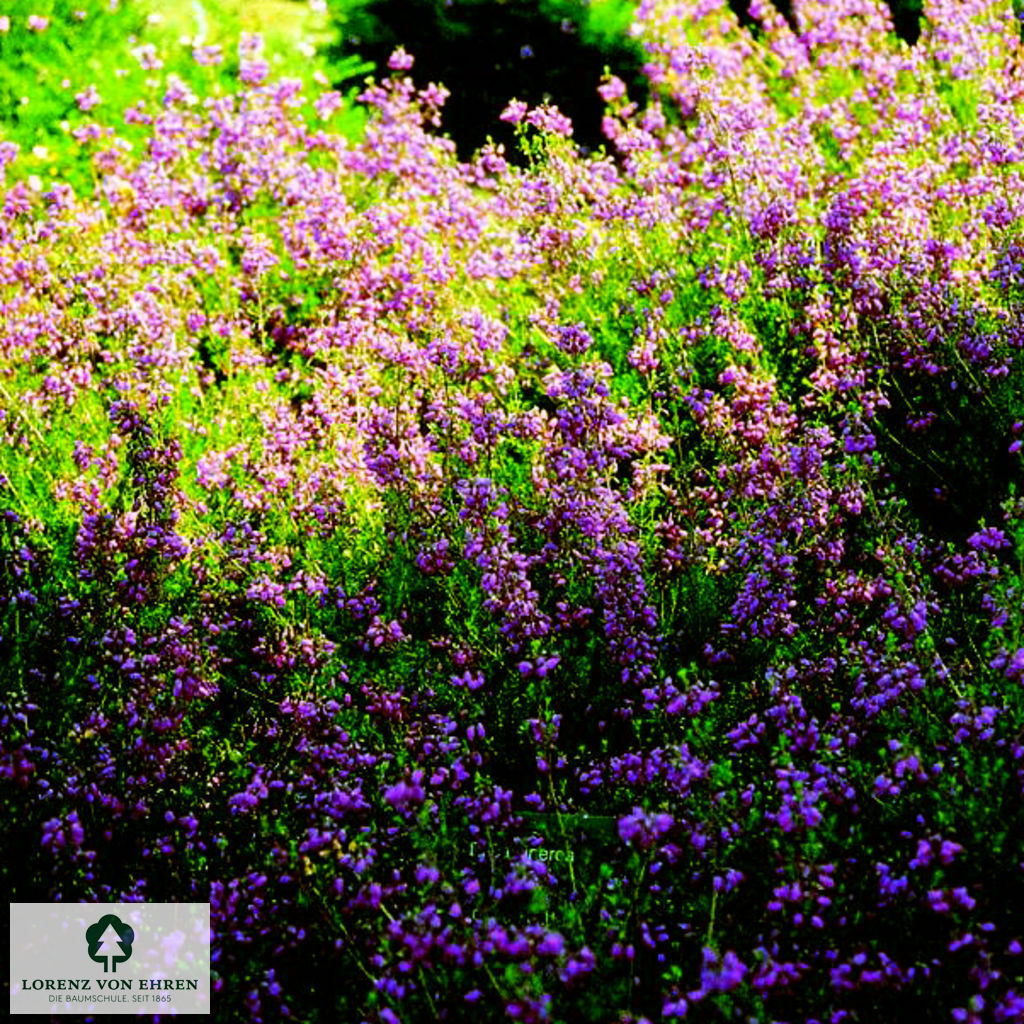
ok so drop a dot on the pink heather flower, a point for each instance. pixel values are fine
(250, 46)
(207, 56)
(550, 119)
(194, 320)
(514, 112)
(178, 92)
(400, 60)
(434, 95)
(88, 99)
(327, 103)
(613, 89)
(253, 72)
(147, 57)
(5, 23)
(37, 24)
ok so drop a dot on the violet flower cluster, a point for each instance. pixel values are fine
(580, 591)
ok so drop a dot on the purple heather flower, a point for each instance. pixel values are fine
(400, 60)
(407, 794)
(514, 112)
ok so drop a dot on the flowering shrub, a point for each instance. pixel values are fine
(580, 591)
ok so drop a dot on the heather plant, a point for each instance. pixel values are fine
(580, 588)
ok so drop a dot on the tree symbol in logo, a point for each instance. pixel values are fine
(110, 942)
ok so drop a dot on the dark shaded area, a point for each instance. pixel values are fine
(487, 52)
(957, 471)
(741, 8)
(906, 16)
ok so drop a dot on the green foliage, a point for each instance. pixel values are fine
(962, 96)
(96, 45)
(42, 69)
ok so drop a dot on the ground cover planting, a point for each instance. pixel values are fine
(578, 588)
